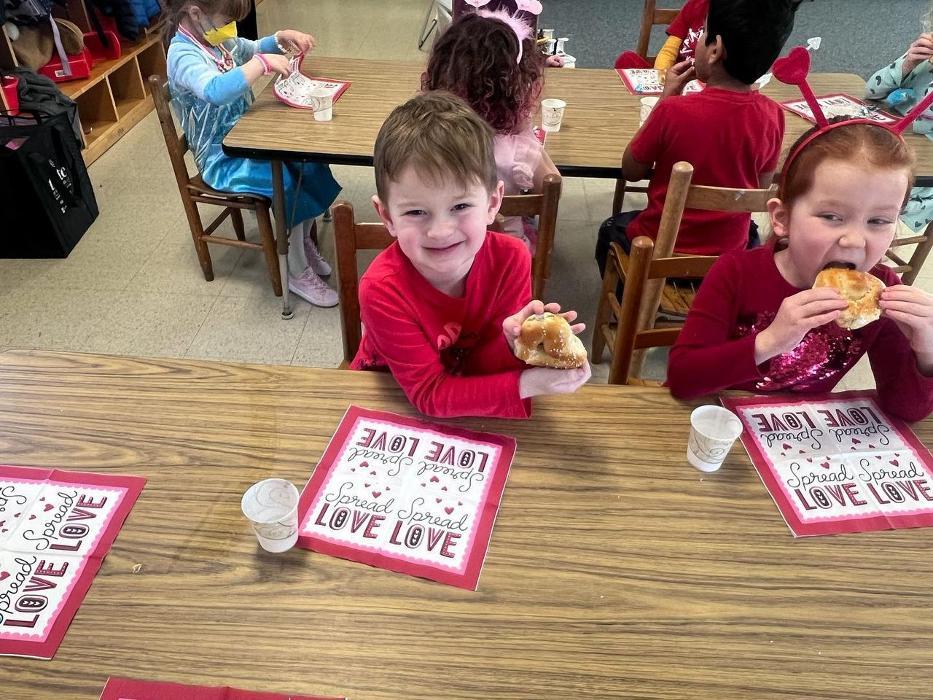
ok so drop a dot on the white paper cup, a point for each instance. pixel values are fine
(552, 114)
(647, 104)
(271, 506)
(322, 102)
(713, 430)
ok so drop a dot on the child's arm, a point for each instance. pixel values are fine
(667, 56)
(889, 78)
(416, 364)
(543, 381)
(190, 69)
(902, 355)
(707, 359)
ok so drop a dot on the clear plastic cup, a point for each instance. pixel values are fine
(322, 102)
(271, 506)
(552, 114)
(647, 104)
(713, 430)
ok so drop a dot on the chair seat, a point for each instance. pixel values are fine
(197, 186)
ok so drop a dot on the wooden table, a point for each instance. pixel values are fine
(614, 569)
(601, 117)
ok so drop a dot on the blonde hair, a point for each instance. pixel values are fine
(441, 137)
(176, 9)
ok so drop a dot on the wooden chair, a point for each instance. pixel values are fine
(650, 16)
(544, 206)
(194, 191)
(908, 269)
(633, 332)
(673, 300)
(350, 237)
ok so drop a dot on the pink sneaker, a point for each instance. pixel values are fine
(312, 289)
(315, 259)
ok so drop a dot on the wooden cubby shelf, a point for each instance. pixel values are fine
(115, 96)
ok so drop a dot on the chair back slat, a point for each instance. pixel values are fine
(728, 199)
(681, 266)
(656, 338)
(521, 205)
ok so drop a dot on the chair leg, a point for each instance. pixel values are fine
(268, 248)
(618, 196)
(312, 234)
(236, 216)
(200, 246)
(610, 281)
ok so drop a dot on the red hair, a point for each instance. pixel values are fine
(475, 59)
(872, 145)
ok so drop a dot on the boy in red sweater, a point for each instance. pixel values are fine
(442, 306)
(730, 133)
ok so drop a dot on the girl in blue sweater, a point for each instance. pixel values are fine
(210, 72)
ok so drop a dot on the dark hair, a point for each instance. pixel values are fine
(176, 9)
(441, 137)
(875, 146)
(753, 33)
(475, 58)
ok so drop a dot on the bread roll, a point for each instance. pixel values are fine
(860, 289)
(546, 340)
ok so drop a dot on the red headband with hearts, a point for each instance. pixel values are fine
(793, 70)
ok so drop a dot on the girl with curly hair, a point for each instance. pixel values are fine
(489, 59)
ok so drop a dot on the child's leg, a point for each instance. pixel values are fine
(297, 262)
(630, 59)
(312, 254)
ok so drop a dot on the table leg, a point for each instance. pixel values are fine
(281, 234)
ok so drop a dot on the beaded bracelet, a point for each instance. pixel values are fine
(278, 44)
(266, 66)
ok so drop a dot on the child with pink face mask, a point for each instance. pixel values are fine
(210, 73)
(758, 324)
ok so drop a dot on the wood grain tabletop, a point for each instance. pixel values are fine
(614, 568)
(600, 120)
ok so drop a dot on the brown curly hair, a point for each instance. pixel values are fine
(475, 59)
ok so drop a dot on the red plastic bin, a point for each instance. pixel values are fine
(93, 43)
(81, 64)
(9, 85)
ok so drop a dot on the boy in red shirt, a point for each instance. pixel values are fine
(730, 133)
(442, 306)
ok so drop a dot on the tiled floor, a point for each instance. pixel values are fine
(133, 285)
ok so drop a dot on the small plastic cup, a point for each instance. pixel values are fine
(322, 102)
(570, 61)
(647, 104)
(552, 114)
(713, 430)
(271, 506)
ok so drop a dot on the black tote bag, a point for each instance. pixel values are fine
(46, 199)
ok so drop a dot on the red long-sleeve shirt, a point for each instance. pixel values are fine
(740, 297)
(448, 353)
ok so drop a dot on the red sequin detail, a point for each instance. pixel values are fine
(825, 353)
